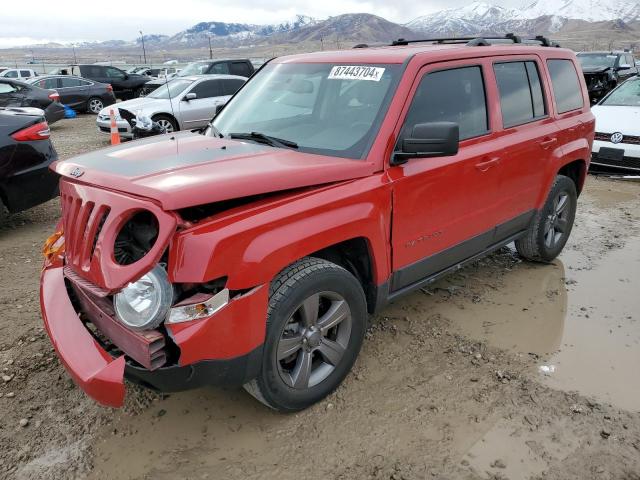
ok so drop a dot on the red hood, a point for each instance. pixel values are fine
(188, 169)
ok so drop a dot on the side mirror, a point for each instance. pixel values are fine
(434, 139)
(190, 96)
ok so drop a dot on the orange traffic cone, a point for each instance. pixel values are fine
(115, 134)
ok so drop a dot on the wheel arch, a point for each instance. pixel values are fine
(576, 170)
(168, 115)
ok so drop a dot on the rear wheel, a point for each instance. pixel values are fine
(316, 322)
(169, 124)
(551, 227)
(94, 105)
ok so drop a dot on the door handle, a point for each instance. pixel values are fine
(487, 164)
(547, 142)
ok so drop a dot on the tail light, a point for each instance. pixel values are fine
(39, 131)
(54, 96)
(109, 88)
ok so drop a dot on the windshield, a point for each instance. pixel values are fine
(195, 68)
(627, 94)
(171, 89)
(323, 108)
(602, 60)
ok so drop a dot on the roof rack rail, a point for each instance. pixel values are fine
(509, 38)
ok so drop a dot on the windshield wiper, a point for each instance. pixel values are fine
(261, 137)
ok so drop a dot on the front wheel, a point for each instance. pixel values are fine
(316, 321)
(551, 226)
(166, 122)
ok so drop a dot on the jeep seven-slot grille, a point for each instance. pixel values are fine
(629, 139)
(82, 223)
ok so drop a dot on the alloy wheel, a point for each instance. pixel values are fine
(95, 105)
(166, 124)
(557, 222)
(314, 340)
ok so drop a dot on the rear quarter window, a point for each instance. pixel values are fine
(566, 86)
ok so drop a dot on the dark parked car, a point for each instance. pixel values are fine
(78, 93)
(603, 71)
(25, 155)
(14, 93)
(241, 67)
(125, 85)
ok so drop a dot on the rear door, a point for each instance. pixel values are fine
(73, 92)
(445, 209)
(529, 136)
(199, 111)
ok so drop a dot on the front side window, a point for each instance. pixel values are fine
(566, 86)
(70, 82)
(114, 73)
(11, 74)
(521, 98)
(219, 68)
(208, 89)
(324, 108)
(455, 95)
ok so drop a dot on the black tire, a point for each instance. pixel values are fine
(94, 105)
(540, 243)
(166, 119)
(296, 286)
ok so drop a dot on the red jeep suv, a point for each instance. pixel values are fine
(251, 253)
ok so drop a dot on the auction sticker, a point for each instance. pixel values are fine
(356, 72)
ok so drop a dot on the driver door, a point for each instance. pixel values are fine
(199, 111)
(445, 209)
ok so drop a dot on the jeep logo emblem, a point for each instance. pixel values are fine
(616, 137)
(76, 172)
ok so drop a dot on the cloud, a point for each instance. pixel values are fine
(72, 20)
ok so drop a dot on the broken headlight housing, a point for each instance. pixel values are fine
(143, 304)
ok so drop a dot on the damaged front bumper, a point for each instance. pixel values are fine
(223, 349)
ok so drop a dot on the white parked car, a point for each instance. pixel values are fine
(18, 73)
(182, 103)
(617, 142)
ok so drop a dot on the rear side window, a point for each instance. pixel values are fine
(231, 86)
(566, 87)
(521, 97)
(208, 89)
(48, 83)
(25, 73)
(241, 69)
(455, 95)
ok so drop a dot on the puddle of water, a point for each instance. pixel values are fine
(587, 333)
(515, 452)
(600, 350)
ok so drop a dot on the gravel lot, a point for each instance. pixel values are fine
(504, 370)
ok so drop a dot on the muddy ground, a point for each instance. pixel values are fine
(505, 370)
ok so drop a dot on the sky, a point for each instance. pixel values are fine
(40, 21)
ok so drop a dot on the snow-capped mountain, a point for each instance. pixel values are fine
(587, 10)
(482, 17)
(471, 19)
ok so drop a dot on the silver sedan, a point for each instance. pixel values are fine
(181, 104)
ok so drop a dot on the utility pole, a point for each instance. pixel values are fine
(144, 52)
(75, 60)
(321, 43)
(210, 51)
